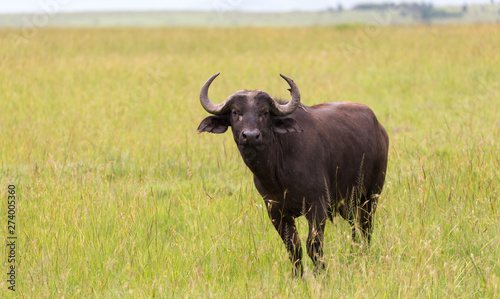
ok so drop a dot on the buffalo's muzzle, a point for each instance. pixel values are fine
(250, 137)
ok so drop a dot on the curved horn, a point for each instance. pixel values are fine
(208, 105)
(282, 110)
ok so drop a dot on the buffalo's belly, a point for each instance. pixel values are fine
(294, 198)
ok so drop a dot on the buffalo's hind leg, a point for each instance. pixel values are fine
(316, 218)
(285, 225)
(366, 212)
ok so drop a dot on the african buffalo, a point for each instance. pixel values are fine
(314, 161)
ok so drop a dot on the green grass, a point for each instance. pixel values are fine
(118, 196)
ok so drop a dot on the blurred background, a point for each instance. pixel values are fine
(241, 12)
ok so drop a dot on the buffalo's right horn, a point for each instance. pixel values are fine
(208, 105)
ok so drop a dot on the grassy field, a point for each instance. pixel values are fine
(118, 196)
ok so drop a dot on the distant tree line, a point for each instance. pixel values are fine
(424, 11)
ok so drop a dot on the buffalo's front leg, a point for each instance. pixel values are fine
(316, 217)
(285, 225)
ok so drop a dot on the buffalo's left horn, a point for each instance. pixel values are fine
(208, 105)
(282, 110)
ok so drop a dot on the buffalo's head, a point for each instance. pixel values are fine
(254, 116)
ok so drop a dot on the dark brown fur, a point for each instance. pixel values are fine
(318, 161)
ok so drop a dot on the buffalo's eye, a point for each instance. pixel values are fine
(237, 116)
(266, 113)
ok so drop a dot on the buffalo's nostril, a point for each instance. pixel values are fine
(251, 135)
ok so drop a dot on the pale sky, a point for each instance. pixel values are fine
(33, 6)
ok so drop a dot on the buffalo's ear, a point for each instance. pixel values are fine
(286, 125)
(214, 124)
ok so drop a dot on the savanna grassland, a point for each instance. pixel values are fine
(118, 196)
